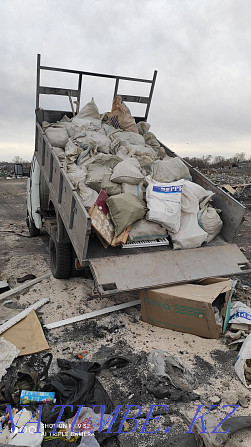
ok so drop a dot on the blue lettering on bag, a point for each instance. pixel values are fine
(241, 314)
(168, 189)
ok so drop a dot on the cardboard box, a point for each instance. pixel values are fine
(187, 308)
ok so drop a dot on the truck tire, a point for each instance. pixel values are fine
(33, 230)
(60, 258)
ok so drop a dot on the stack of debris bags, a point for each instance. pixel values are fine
(110, 152)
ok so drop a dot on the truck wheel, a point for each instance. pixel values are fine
(60, 258)
(33, 230)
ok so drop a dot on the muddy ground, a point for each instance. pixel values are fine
(211, 361)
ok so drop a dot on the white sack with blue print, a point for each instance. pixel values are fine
(240, 313)
(164, 203)
(190, 234)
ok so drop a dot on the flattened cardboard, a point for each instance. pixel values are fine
(186, 308)
(27, 335)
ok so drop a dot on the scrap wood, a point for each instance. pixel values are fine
(71, 103)
(92, 314)
(229, 188)
(24, 286)
(22, 315)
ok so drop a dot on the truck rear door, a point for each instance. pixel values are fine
(162, 268)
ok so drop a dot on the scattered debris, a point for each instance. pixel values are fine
(22, 315)
(27, 277)
(8, 352)
(4, 286)
(243, 363)
(27, 335)
(167, 374)
(93, 314)
(21, 288)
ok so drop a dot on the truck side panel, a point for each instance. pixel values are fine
(65, 199)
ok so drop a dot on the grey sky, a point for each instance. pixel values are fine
(201, 50)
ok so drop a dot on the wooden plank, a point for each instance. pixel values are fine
(229, 188)
(71, 104)
(22, 315)
(95, 313)
(24, 286)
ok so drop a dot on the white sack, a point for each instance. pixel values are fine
(59, 152)
(65, 119)
(197, 190)
(69, 127)
(149, 137)
(87, 118)
(164, 203)
(189, 202)
(152, 141)
(209, 220)
(129, 137)
(140, 149)
(145, 161)
(123, 152)
(127, 171)
(72, 150)
(145, 230)
(143, 127)
(95, 175)
(57, 135)
(137, 190)
(240, 313)
(76, 174)
(88, 195)
(244, 354)
(170, 170)
(107, 160)
(102, 142)
(190, 234)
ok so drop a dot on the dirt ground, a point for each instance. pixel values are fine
(124, 333)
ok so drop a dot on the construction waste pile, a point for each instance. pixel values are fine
(132, 189)
(97, 398)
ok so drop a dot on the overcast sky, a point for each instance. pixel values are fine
(201, 49)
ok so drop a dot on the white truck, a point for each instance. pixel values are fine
(54, 205)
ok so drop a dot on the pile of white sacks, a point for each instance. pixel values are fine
(131, 162)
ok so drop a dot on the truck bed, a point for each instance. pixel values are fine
(90, 252)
